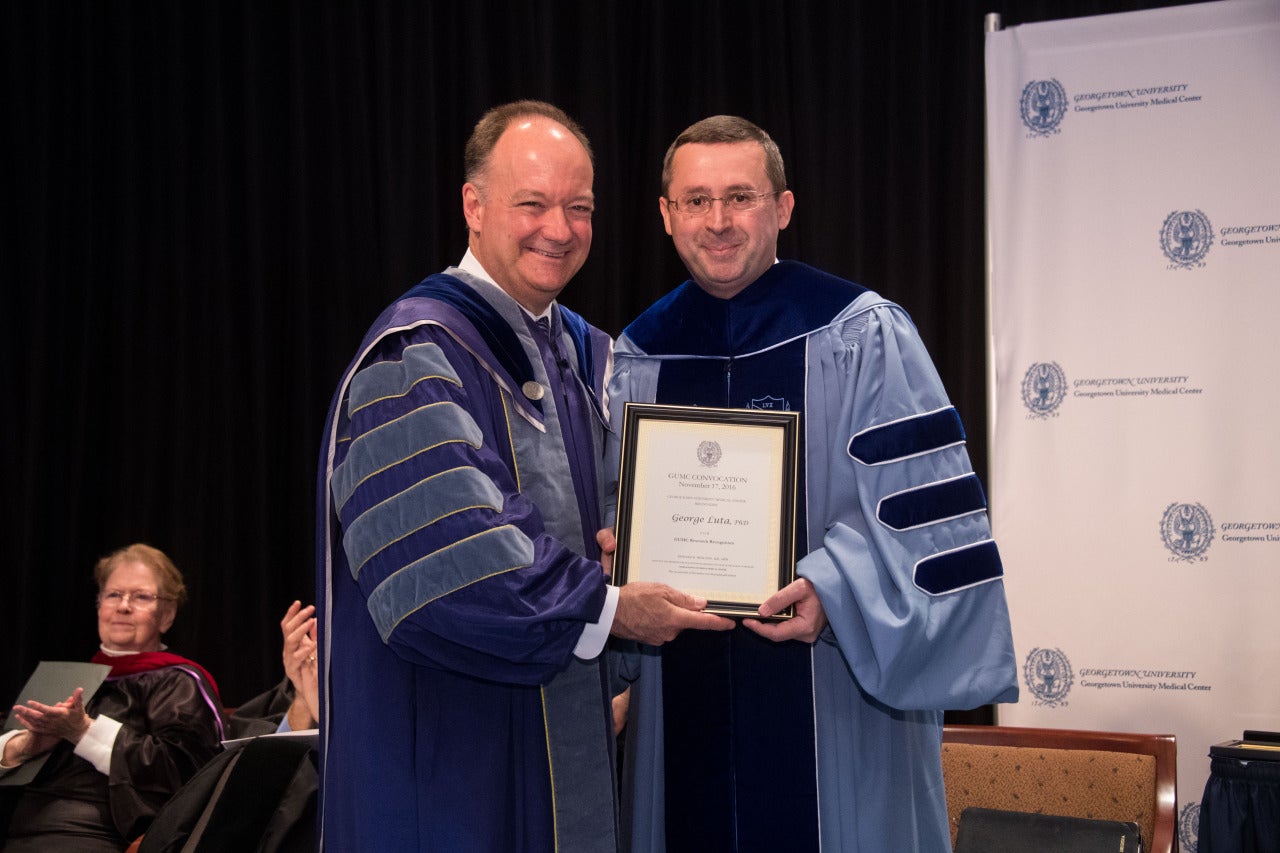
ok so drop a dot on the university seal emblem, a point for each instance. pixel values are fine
(1044, 386)
(709, 453)
(1047, 673)
(1185, 238)
(1186, 530)
(1189, 826)
(1043, 105)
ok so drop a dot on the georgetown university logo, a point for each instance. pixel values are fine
(1189, 826)
(1186, 237)
(1043, 388)
(1187, 531)
(709, 453)
(1047, 673)
(1043, 104)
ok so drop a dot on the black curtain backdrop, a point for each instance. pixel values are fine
(207, 203)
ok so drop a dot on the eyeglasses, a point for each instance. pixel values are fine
(140, 600)
(699, 204)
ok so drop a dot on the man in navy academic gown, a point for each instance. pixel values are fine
(823, 731)
(462, 604)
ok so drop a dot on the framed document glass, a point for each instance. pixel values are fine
(707, 502)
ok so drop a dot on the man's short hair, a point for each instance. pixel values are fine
(495, 122)
(718, 130)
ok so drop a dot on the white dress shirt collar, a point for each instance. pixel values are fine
(471, 264)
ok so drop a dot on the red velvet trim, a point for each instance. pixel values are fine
(146, 662)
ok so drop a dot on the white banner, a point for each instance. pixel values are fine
(1134, 204)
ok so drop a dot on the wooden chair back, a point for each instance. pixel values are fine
(1092, 774)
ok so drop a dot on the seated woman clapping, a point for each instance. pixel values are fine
(115, 758)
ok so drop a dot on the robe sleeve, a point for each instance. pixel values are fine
(907, 572)
(169, 732)
(454, 562)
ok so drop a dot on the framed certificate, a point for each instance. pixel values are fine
(707, 502)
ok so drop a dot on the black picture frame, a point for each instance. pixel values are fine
(707, 503)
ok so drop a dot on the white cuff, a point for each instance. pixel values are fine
(95, 746)
(4, 739)
(595, 634)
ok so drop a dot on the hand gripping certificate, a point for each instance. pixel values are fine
(706, 502)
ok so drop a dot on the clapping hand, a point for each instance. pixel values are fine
(48, 724)
(298, 628)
